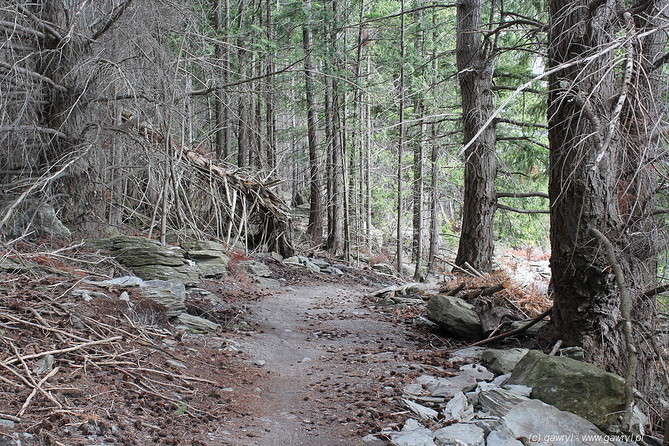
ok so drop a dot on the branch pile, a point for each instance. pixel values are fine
(78, 362)
(250, 199)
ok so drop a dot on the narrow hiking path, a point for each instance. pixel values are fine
(333, 369)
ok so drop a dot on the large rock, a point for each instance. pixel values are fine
(32, 216)
(571, 385)
(541, 424)
(149, 259)
(455, 316)
(169, 293)
(502, 361)
(210, 257)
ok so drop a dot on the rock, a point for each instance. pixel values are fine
(533, 330)
(460, 435)
(276, 256)
(576, 353)
(518, 389)
(320, 263)
(458, 409)
(255, 268)
(455, 316)
(418, 437)
(32, 215)
(312, 267)
(499, 402)
(196, 324)
(149, 259)
(424, 412)
(7, 424)
(169, 293)
(502, 361)
(44, 365)
(124, 282)
(499, 438)
(542, 424)
(384, 268)
(477, 371)
(467, 354)
(292, 260)
(448, 387)
(411, 425)
(572, 385)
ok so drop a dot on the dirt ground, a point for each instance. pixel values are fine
(314, 363)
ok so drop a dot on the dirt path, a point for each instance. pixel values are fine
(333, 369)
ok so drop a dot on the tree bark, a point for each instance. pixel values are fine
(475, 77)
(315, 225)
(602, 143)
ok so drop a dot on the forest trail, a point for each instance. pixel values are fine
(333, 369)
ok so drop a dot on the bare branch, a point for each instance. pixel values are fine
(522, 211)
(521, 194)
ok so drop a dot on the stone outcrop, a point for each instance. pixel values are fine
(573, 386)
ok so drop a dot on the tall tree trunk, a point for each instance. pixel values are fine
(315, 225)
(399, 248)
(602, 121)
(221, 119)
(475, 76)
(418, 192)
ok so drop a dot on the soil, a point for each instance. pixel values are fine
(318, 363)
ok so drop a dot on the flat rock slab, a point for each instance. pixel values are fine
(460, 435)
(455, 316)
(502, 361)
(543, 424)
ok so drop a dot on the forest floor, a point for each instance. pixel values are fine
(315, 363)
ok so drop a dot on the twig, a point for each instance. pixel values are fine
(38, 386)
(64, 350)
(513, 332)
(626, 313)
(555, 348)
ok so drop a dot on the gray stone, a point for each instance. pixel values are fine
(177, 364)
(384, 268)
(543, 424)
(417, 437)
(467, 354)
(533, 330)
(477, 371)
(255, 268)
(519, 389)
(576, 353)
(292, 260)
(276, 256)
(44, 365)
(455, 316)
(448, 387)
(499, 402)
(502, 361)
(460, 435)
(149, 259)
(312, 267)
(500, 438)
(124, 281)
(424, 412)
(32, 215)
(320, 263)
(196, 324)
(572, 385)
(169, 293)
(7, 424)
(210, 257)
(458, 409)
(270, 284)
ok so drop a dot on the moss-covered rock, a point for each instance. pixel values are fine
(573, 386)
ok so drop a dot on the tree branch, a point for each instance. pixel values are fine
(521, 211)
(626, 313)
(113, 19)
(530, 324)
(521, 194)
(519, 123)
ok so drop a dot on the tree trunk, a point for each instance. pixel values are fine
(475, 76)
(602, 116)
(315, 225)
(399, 248)
(418, 192)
